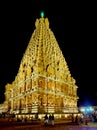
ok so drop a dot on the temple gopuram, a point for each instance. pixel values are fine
(43, 83)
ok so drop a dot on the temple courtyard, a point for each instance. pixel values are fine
(39, 125)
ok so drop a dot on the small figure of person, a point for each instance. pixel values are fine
(72, 117)
(86, 121)
(46, 120)
(52, 119)
(76, 119)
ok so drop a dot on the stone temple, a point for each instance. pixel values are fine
(43, 83)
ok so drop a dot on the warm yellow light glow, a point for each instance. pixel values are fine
(82, 109)
(91, 109)
(43, 83)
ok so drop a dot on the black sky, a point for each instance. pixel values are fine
(74, 26)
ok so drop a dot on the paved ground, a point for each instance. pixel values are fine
(91, 124)
(56, 127)
(39, 126)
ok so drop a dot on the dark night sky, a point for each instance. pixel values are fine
(74, 26)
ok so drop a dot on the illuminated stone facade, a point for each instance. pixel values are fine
(43, 83)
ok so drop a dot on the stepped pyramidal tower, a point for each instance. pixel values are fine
(43, 83)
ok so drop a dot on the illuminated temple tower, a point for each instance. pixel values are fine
(43, 83)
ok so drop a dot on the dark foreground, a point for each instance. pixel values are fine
(5, 125)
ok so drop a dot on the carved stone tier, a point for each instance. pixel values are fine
(43, 83)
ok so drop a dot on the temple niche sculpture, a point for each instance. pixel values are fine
(43, 83)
